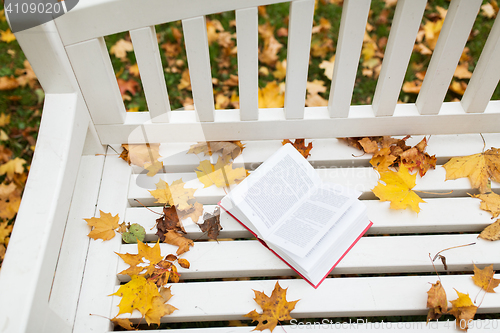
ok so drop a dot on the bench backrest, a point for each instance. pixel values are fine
(69, 56)
(84, 44)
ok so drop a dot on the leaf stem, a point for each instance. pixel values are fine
(435, 270)
(436, 193)
(453, 247)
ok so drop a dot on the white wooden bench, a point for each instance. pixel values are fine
(54, 276)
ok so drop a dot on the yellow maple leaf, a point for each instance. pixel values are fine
(484, 278)
(397, 189)
(275, 308)
(137, 294)
(153, 168)
(12, 167)
(490, 202)
(463, 309)
(4, 119)
(219, 175)
(7, 36)
(491, 232)
(271, 96)
(280, 72)
(327, 66)
(479, 168)
(158, 310)
(174, 195)
(104, 226)
(10, 205)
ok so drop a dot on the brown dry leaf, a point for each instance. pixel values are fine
(417, 158)
(491, 232)
(8, 83)
(300, 145)
(173, 238)
(396, 188)
(26, 76)
(369, 146)
(211, 224)
(484, 278)
(463, 309)
(221, 101)
(103, 226)
(490, 202)
(228, 149)
(383, 159)
(123, 322)
(436, 301)
(184, 263)
(168, 221)
(271, 96)
(479, 168)
(120, 48)
(275, 308)
(9, 205)
(219, 175)
(141, 155)
(315, 100)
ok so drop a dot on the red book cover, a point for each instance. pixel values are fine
(289, 265)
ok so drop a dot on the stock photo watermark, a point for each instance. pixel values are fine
(364, 324)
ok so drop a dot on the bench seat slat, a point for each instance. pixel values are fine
(437, 215)
(375, 296)
(371, 255)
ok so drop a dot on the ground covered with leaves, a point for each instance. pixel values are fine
(21, 96)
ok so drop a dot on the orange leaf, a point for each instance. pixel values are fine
(173, 238)
(463, 309)
(484, 278)
(275, 308)
(300, 145)
(436, 301)
(103, 226)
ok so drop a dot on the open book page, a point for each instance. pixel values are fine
(310, 220)
(272, 191)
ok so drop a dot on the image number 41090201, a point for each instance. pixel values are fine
(26, 14)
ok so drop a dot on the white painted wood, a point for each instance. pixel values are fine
(151, 72)
(248, 62)
(361, 122)
(485, 78)
(437, 215)
(334, 298)
(352, 29)
(404, 28)
(297, 60)
(152, 13)
(99, 279)
(92, 66)
(31, 259)
(71, 263)
(451, 42)
(371, 255)
(196, 40)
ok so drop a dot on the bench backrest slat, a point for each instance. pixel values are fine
(297, 62)
(93, 69)
(485, 78)
(454, 33)
(352, 30)
(151, 69)
(405, 24)
(248, 62)
(198, 57)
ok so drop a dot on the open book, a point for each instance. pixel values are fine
(309, 224)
